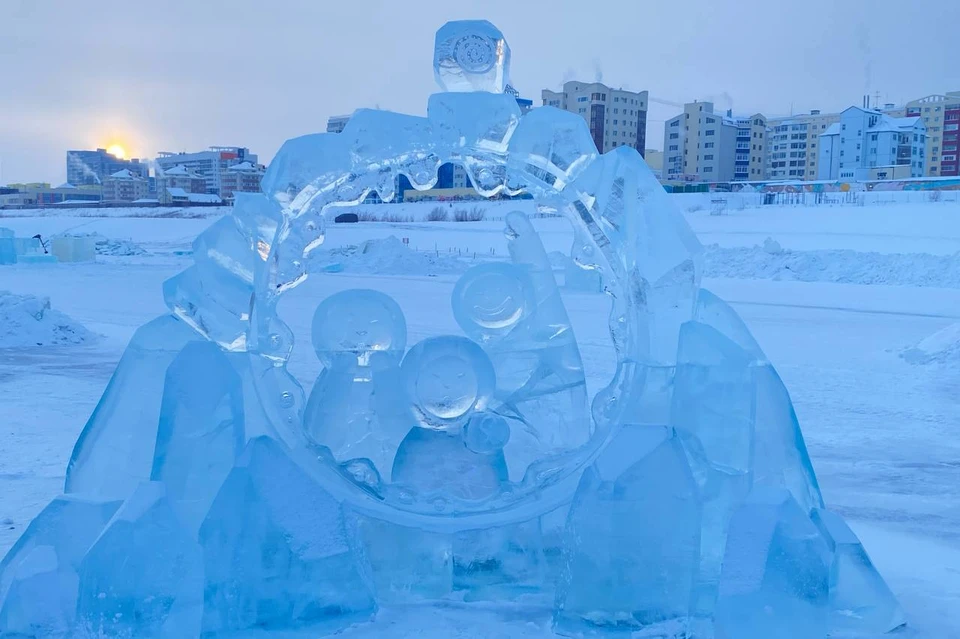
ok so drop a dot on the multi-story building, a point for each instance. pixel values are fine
(335, 123)
(654, 160)
(92, 167)
(750, 159)
(42, 194)
(176, 180)
(941, 116)
(700, 144)
(615, 117)
(211, 164)
(124, 186)
(242, 178)
(793, 145)
(867, 144)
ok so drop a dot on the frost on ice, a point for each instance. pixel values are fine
(210, 495)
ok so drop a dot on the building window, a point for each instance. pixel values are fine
(674, 136)
(709, 132)
(708, 157)
(582, 98)
(708, 169)
(708, 145)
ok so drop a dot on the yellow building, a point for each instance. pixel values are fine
(792, 145)
(941, 116)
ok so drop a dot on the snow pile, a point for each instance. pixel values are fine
(846, 266)
(388, 256)
(26, 320)
(112, 246)
(943, 347)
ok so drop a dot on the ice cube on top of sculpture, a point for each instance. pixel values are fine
(363, 326)
(471, 55)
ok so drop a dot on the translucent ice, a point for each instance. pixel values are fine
(446, 379)
(408, 564)
(550, 148)
(494, 563)
(779, 453)
(632, 545)
(776, 572)
(516, 313)
(861, 604)
(115, 450)
(201, 429)
(471, 55)
(277, 550)
(475, 130)
(38, 577)
(439, 462)
(356, 407)
(143, 577)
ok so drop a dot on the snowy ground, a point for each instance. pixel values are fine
(834, 308)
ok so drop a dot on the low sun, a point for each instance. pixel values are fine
(117, 151)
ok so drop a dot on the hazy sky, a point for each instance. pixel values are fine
(186, 74)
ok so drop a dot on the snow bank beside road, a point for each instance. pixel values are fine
(26, 320)
(844, 266)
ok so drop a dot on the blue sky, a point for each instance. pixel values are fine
(182, 75)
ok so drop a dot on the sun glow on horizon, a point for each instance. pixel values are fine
(117, 151)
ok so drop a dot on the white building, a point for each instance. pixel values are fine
(615, 117)
(866, 143)
(211, 164)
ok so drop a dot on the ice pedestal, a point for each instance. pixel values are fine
(143, 577)
(201, 429)
(861, 604)
(38, 577)
(278, 551)
(632, 547)
(115, 450)
(776, 572)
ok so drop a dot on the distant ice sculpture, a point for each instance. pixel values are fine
(210, 495)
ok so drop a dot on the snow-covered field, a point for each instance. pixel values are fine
(858, 307)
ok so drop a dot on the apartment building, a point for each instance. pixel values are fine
(179, 181)
(793, 145)
(335, 123)
(867, 144)
(93, 167)
(749, 162)
(941, 117)
(242, 178)
(702, 145)
(615, 117)
(124, 186)
(211, 165)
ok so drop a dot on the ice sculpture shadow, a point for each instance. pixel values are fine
(207, 496)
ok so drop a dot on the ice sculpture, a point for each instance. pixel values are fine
(208, 496)
(143, 576)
